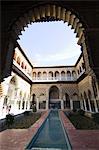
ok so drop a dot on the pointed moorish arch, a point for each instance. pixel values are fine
(49, 13)
(44, 13)
(54, 95)
(54, 92)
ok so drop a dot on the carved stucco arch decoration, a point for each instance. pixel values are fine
(1, 90)
(49, 13)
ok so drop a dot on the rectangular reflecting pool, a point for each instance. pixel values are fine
(51, 135)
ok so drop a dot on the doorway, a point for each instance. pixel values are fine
(54, 101)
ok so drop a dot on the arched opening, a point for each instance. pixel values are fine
(23, 104)
(26, 104)
(68, 75)
(63, 75)
(54, 101)
(19, 60)
(33, 102)
(76, 102)
(66, 101)
(5, 101)
(12, 93)
(34, 75)
(42, 101)
(20, 99)
(94, 87)
(78, 72)
(29, 72)
(74, 75)
(22, 65)
(24, 101)
(86, 101)
(82, 101)
(83, 65)
(91, 101)
(39, 75)
(57, 75)
(50, 75)
(25, 67)
(44, 75)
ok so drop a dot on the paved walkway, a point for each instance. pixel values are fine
(81, 139)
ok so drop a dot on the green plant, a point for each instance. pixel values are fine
(83, 122)
(9, 119)
(34, 108)
(96, 117)
(81, 112)
(27, 113)
(74, 110)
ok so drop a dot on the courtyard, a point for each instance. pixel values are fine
(49, 89)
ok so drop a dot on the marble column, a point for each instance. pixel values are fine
(89, 105)
(81, 104)
(96, 108)
(37, 104)
(62, 104)
(21, 103)
(71, 104)
(85, 105)
(47, 104)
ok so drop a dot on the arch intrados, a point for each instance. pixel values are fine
(75, 94)
(62, 72)
(39, 72)
(23, 65)
(34, 74)
(50, 72)
(14, 81)
(68, 71)
(44, 72)
(54, 87)
(73, 71)
(56, 72)
(18, 60)
(49, 13)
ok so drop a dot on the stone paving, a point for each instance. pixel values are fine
(17, 139)
(80, 139)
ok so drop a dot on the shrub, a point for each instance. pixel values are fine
(27, 113)
(81, 112)
(74, 110)
(34, 108)
(96, 117)
(9, 119)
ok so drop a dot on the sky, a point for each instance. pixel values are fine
(50, 44)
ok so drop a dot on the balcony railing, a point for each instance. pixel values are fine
(51, 79)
